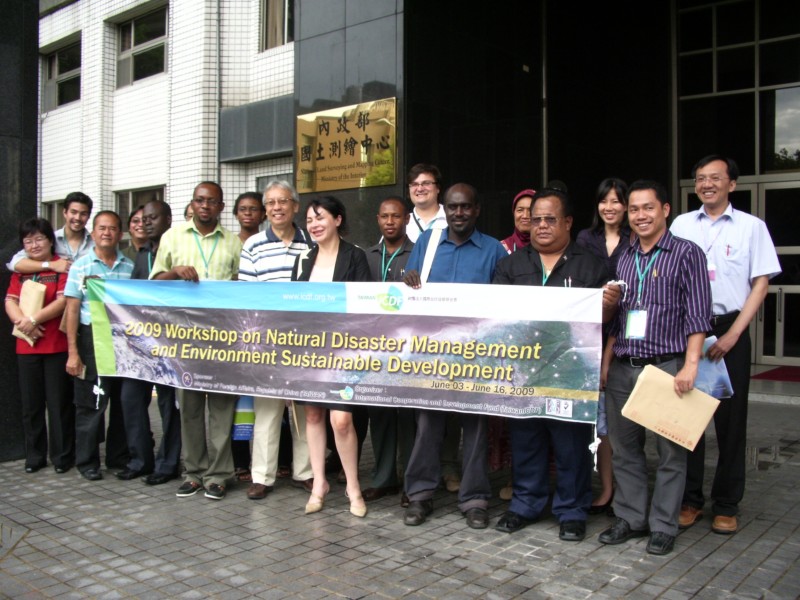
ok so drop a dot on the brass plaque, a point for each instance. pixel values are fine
(347, 147)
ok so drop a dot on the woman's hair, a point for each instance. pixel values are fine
(248, 196)
(37, 225)
(608, 184)
(334, 206)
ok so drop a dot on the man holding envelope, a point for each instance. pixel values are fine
(663, 319)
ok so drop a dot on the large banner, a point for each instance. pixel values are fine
(512, 351)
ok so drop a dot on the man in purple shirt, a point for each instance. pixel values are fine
(662, 321)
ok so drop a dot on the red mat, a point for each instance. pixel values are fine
(780, 374)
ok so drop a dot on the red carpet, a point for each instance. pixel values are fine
(780, 374)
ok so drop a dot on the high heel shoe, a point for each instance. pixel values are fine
(599, 509)
(316, 503)
(356, 510)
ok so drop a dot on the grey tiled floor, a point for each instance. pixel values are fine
(63, 537)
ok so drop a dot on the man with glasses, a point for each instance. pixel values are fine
(201, 249)
(423, 189)
(741, 259)
(552, 259)
(269, 256)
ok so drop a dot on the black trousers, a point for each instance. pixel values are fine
(730, 424)
(46, 389)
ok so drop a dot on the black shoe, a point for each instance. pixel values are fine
(215, 491)
(157, 478)
(61, 470)
(477, 518)
(92, 474)
(660, 543)
(188, 488)
(128, 474)
(620, 532)
(572, 531)
(511, 522)
(404, 501)
(417, 512)
(33, 469)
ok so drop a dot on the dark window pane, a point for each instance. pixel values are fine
(780, 215)
(694, 30)
(150, 27)
(779, 18)
(735, 23)
(736, 69)
(770, 316)
(290, 21)
(780, 130)
(790, 270)
(723, 125)
(791, 324)
(69, 90)
(69, 59)
(125, 37)
(52, 68)
(696, 76)
(149, 62)
(780, 62)
(741, 200)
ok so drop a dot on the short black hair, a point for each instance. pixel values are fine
(78, 197)
(648, 184)
(215, 184)
(406, 208)
(248, 196)
(107, 212)
(420, 168)
(563, 197)
(37, 225)
(333, 205)
(733, 168)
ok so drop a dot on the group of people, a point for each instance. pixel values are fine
(664, 290)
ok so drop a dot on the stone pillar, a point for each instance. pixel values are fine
(19, 75)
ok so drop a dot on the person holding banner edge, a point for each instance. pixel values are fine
(197, 250)
(457, 254)
(552, 259)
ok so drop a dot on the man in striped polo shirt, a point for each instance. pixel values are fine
(663, 320)
(270, 256)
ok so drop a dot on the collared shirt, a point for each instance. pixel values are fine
(474, 261)
(675, 294)
(417, 225)
(266, 258)
(214, 256)
(62, 248)
(91, 265)
(143, 263)
(738, 249)
(577, 267)
(594, 240)
(392, 265)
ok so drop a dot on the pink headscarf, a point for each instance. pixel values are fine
(518, 239)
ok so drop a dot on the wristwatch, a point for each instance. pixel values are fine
(46, 264)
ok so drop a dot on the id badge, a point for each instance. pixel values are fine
(712, 271)
(636, 325)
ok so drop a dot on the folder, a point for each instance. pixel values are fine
(654, 404)
(31, 301)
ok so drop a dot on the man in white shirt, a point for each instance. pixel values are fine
(423, 188)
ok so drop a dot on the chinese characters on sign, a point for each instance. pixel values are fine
(347, 147)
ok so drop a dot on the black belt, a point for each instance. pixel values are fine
(725, 319)
(639, 362)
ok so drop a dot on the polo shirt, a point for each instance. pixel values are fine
(739, 247)
(265, 257)
(675, 294)
(392, 266)
(473, 261)
(91, 265)
(214, 256)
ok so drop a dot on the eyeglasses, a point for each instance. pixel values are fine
(273, 202)
(549, 221)
(249, 209)
(35, 241)
(423, 184)
(701, 179)
(210, 202)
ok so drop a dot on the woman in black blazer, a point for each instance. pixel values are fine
(332, 259)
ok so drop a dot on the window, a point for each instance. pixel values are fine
(127, 201)
(277, 23)
(62, 77)
(142, 47)
(54, 212)
(261, 182)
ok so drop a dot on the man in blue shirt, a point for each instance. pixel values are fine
(458, 254)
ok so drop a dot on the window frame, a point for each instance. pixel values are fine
(287, 32)
(52, 79)
(126, 59)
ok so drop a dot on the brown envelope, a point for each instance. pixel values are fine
(31, 300)
(654, 404)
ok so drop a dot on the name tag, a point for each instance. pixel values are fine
(636, 325)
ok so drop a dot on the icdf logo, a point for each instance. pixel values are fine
(391, 300)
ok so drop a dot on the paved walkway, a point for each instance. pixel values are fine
(63, 537)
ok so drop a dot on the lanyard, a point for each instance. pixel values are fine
(384, 265)
(643, 274)
(203, 254)
(545, 274)
(150, 261)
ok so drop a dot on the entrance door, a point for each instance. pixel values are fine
(776, 329)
